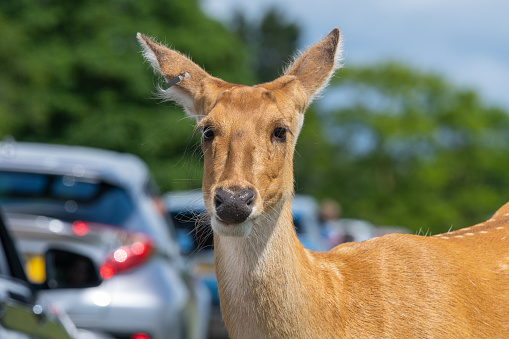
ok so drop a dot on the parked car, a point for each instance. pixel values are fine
(22, 314)
(194, 234)
(307, 224)
(187, 210)
(154, 296)
(356, 230)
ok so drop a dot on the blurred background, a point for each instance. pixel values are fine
(412, 132)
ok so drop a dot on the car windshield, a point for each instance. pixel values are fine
(65, 197)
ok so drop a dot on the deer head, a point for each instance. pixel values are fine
(249, 132)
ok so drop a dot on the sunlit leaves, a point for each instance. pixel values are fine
(408, 148)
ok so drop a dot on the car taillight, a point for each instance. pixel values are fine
(80, 228)
(140, 336)
(127, 257)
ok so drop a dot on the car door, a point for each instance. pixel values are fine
(20, 316)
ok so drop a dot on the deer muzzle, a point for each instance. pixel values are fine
(234, 205)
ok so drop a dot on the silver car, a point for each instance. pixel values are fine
(154, 296)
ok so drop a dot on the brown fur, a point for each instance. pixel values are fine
(454, 285)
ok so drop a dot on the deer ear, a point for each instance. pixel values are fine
(192, 90)
(314, 67)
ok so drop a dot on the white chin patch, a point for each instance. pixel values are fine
(226, 230)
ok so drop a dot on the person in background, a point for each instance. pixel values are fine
(330, 214)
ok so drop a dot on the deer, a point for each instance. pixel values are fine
(451, 285)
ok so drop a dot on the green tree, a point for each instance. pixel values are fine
(271, 42)
(402, 148)
(72, 73)
(407, 148)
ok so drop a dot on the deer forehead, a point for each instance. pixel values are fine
(250, 109)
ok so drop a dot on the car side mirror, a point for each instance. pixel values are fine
(66, 269)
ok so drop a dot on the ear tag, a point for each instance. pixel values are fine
(182, 76)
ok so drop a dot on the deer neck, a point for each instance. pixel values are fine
(260, 278)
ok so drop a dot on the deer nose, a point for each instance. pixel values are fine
(234, 205)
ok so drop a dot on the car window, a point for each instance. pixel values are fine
(22, 183)
(194, 233)
(66, 187)
(64, 197)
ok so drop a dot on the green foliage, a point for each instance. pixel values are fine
(401, 148)
(406, 148)
(271, 41)
(72, 73)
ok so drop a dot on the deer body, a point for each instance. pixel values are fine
(395, 286)
(454, 285)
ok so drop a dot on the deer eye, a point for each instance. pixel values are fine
(279, 134)
(208, 133)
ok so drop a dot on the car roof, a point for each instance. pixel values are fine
(122, 169)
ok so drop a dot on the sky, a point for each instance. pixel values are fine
(467, 41)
